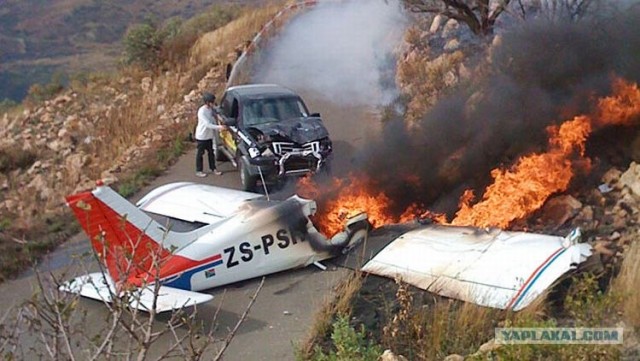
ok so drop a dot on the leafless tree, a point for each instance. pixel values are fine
(54, 325)
(566, 10)
(10, 333)
(479, 15)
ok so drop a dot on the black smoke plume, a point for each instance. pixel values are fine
(542, 73)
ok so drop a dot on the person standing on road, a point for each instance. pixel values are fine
(205, 135)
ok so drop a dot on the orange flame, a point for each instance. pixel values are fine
(622, 108)
(520, 191)
(515, 192)
(353, 196)
(414, 212)
(341, 199)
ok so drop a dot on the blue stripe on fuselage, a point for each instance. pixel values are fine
(183, 280)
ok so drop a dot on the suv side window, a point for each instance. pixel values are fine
(226, 105)
(234, 109)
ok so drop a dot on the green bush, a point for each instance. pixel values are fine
(6, 105)
(42, 92)
(5, 223)
(169, 154)
(130, 186)
(349, 344)
(151, 44)
(143, 44)
(588, 305)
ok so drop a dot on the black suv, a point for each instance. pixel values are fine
(271, 135)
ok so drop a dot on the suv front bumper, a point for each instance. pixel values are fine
(290, 164)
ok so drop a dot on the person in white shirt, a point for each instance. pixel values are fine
(205, 135)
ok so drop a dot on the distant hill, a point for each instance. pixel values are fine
(40, 37)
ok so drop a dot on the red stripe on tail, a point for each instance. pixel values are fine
(129, 254)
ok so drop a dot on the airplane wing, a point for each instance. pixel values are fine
(99, 286)
(489, 267)
(194, 202)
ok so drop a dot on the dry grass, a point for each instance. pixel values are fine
(117, 120)
(584, 305)
(435, 327)
(13, 158)
(214, 48)
(432, 328)
(115, 128)
(340, 305)
(627, 283)
(216, 45)
(419, 325)
(423, 326)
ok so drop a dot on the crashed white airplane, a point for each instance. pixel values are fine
(189, 237)
(230, 236)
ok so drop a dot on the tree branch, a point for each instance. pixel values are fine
(499, 10)
(108, 338)
(478, 15)
(230, 336)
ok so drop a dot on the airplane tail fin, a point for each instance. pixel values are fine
(125, 239)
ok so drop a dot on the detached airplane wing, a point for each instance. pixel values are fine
(493, 268)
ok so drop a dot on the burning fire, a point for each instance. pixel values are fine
(518, 192)
(346, 198)
(622, 108)
(515, 192)
(341, 199)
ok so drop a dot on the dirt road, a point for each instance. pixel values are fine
(286, 306)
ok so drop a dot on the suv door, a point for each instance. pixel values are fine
(229, 110)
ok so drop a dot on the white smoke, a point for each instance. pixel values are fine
(343, 51)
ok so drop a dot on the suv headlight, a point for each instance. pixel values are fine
(267, 153)
(254, 152)
(325, 144)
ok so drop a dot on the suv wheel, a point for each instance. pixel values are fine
(248, 181)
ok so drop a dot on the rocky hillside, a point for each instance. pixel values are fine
(123, 128)
(72, 36)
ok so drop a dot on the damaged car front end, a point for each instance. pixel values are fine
(272, 135)
(296, 147)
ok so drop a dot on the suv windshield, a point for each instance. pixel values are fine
(261, 111)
